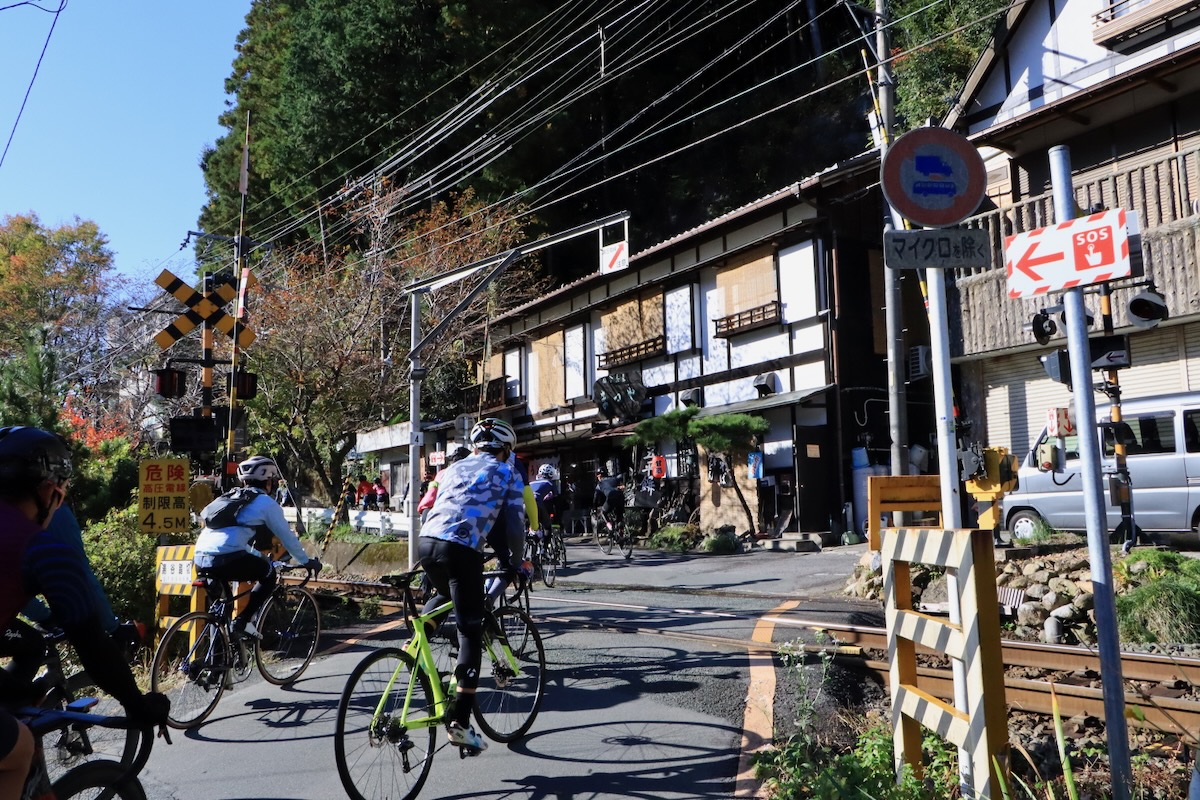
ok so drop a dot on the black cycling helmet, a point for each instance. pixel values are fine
(31, 455)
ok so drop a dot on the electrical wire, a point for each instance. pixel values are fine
(896, 55)
(28, 89)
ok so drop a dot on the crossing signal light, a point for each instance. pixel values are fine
(170, 383)
(1148, 308)
(1058, 367)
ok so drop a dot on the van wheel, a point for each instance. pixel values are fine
(1025, 523)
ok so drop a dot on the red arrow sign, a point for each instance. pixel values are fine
(1027, 261)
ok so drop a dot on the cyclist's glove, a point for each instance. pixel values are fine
(149, 709)
(313, 565)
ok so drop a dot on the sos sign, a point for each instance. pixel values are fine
(1078, 252)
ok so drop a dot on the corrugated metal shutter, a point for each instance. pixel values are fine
(1018, 391)
(1018, 394)
(1157, 368)
(1191, 338)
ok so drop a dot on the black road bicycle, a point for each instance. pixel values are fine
(200, 655)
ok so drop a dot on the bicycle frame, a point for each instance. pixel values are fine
(418, 647)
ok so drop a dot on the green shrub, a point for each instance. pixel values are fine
(675, 538)
(1166, 610)
(122, 557)
(720, 542)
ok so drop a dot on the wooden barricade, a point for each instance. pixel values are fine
(886, 493)
(982, 730)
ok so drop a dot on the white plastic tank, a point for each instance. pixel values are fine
(861, 470)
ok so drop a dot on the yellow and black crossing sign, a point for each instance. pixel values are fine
(201, 308)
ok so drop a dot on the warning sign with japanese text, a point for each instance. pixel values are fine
(163, 495)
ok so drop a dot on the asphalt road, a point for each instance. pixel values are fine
(654, 713)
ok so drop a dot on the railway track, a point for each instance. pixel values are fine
(1157, 702)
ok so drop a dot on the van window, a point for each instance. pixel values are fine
(1191, 430)
(1152, 433)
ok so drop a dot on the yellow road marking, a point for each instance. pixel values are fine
(759, 720)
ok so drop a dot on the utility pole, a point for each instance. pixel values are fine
(894, 317)
(243, 278)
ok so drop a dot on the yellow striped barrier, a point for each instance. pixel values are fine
(981, 731)
(173, 578)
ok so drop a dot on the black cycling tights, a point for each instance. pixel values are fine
(456, 572)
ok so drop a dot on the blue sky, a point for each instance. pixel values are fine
(126, 98)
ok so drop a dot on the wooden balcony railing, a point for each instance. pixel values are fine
(493, 394)
(749, 320)
(634, 352)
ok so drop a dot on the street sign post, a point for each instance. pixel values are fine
(943, 248)
(1077, 252)
(934, 177)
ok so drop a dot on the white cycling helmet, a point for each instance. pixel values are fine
(493, 435)
(257, 468)
(546, 472)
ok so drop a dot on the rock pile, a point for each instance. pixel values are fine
(1055, 591)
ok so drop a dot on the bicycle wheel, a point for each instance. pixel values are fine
(377, 755)
(88, 780)
(190, 667)
(560, 548)
(69, 748)
(624, 538)
(290, 624)
(604, 535)
(507, 700)
(546, 560)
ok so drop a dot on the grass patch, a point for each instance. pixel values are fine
(1165, 611)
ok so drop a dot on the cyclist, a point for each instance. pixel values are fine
(479, 501)
(431, 486)
(546, 496)
(25, 644)
(35, 470)
(609, 497)
(237, 526)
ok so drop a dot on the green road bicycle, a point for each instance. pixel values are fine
(397, 699)
(200, 655)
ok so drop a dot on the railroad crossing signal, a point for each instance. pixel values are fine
(201, 308)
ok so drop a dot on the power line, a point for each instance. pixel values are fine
(36, 67)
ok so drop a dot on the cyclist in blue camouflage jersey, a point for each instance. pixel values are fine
(479, 502)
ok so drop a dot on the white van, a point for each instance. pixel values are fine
(1162, 455)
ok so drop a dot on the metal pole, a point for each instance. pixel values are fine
(893, 314)
(1121, 466)
(947, 447)
(415, 376)
(1093, 499)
